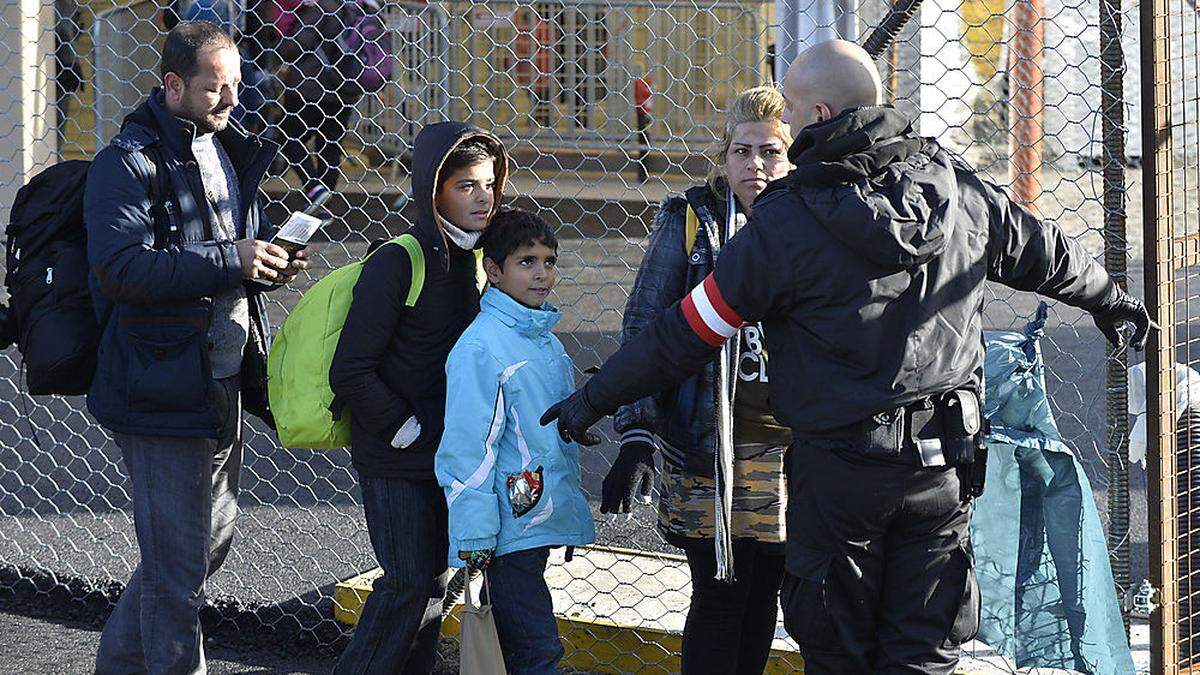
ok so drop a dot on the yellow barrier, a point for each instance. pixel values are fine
(592, 643)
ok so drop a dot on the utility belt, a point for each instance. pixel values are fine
(943, 430)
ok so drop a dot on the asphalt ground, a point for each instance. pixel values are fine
(61, 640)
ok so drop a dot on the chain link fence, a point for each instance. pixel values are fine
(1038, 94)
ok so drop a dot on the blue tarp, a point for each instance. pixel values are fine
(1040, 553)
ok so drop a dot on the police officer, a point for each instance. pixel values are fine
(866, 266)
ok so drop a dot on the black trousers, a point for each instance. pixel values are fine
(880, 574)
(323, 125)
(730, 627)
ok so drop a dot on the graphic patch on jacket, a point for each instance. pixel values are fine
(753, 417)
(524, 491)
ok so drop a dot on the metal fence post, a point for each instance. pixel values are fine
(1160, 357)
(1027, 103)
(1112, 92)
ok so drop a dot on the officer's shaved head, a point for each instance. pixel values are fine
(826, 79)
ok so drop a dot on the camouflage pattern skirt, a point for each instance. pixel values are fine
(686, 501)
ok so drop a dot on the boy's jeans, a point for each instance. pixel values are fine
(400, 625)
(184, 494)
(524, 612)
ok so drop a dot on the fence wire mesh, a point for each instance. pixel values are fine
(1036, 93)
(1171, 39)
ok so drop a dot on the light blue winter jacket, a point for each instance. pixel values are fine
(504, 372)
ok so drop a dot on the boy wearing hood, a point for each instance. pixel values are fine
(512, 486)
(388, 370)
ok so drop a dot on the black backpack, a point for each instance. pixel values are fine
(51, 318)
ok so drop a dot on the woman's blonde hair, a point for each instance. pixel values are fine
(759, 104)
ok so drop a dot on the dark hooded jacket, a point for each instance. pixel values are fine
(682, 420)
(866, 266)
(390, 363)
(155, 285)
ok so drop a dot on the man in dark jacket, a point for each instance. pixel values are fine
(389, 373)
(318, 97)
(866, 266)
(175, 230)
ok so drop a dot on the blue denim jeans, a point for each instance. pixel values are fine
(184, 494)
(401, 623)
(524, 612)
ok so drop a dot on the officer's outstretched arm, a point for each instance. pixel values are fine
(747, 283)
(663, 354)
(1029, 254)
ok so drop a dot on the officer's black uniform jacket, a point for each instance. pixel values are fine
(866, 265)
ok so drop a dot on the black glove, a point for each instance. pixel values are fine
(7, 334)
(1123, 308)
(575, 416)
(632, 475)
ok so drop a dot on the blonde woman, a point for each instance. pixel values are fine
(735, 552)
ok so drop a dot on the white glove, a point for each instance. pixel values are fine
(407, 435)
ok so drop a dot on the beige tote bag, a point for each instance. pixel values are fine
(480, 645)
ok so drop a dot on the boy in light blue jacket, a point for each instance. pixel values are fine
(512, 485)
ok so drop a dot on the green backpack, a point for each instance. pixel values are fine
(298, 366)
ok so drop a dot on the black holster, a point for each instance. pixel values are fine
(943, 430)
(974, 475)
